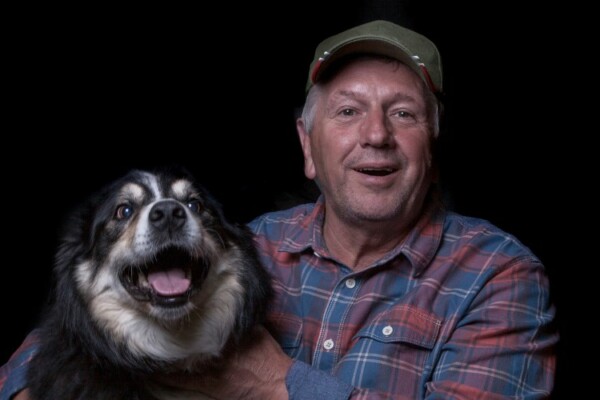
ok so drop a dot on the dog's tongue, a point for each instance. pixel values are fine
(171, 282)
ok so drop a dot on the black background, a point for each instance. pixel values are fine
(93, 92)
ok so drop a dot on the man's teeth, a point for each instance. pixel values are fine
(376, 171)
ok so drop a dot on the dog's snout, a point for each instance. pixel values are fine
(167, 214)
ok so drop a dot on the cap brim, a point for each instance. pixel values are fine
(366, 46)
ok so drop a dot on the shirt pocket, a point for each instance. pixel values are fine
(287, 330)
(394, 347)
(403, 324)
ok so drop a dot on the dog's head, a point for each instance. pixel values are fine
(156, 265)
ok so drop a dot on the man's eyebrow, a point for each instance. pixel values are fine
(398, 97)
(340, 97)
(403, 98)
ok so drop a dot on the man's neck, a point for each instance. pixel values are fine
(359, 246)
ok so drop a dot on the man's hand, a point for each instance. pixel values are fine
(22, 395)
(257, 372)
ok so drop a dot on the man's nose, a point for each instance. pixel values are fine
(377, 130)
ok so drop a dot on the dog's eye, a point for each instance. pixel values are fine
(124, 211)
(194, 205)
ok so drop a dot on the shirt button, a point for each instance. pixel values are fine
(328, 344)
(387, 330)
(350, 283)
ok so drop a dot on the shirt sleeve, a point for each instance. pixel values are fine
(13, 374)
(504, 344)
(306, 383)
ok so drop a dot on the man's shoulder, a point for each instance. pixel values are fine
(464, 222)
(282, 219)
(480, 233)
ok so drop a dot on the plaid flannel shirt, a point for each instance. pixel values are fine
(460, 309)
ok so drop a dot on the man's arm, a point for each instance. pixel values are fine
(257, 372)
(263, 371)
(22, 395)
(13, 374)
(504, 346)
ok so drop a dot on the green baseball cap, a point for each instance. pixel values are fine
(381, 38)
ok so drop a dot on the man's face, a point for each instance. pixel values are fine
(370, 148)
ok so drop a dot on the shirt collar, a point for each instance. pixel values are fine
(307, 233)
(419, 247)
(424, 239)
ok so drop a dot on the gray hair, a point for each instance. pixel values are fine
(310, 107)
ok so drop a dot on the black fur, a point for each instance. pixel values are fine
(80, 358)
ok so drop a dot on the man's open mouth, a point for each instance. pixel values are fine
(376, 171)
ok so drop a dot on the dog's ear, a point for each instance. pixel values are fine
(76, 236)
(81, 228)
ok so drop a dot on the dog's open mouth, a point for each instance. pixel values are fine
(168, 280)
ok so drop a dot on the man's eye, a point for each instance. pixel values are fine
(404, 114)
(348, 112)
(124, 211)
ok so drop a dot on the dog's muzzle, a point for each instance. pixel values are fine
(170, 276)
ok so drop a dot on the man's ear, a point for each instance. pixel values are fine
(305, 140)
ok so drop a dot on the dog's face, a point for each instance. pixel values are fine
(157, 266)
(155, 242)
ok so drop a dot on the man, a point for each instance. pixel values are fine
(380, 292)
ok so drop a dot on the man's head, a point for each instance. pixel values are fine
(386, 39)
(369, 122)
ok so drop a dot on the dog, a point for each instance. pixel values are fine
(149, 277)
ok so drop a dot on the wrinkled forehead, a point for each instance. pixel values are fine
(368, 80)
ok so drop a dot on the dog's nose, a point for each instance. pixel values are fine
(167, 214)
